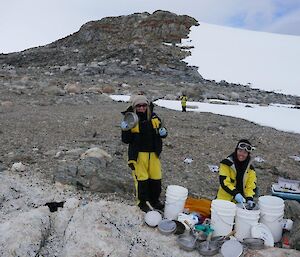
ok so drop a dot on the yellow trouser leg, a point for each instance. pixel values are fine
(147, 167)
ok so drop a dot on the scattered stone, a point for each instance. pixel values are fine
(72, 89)
(7, 104)
(18, 167)
(97, 153)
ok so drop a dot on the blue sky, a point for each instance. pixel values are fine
(29, 23)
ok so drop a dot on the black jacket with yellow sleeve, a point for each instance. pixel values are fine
(144, 137)
(228, 179)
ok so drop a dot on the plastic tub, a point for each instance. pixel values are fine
(175, 201)
(166, 227)
(244, 220)
(271, 202)
(272, 212)
(222, 217)
(274, 223)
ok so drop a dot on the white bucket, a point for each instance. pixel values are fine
(244, 220)
(272, 211)
(222, 217)
(274, 223)
(224, 206)
(270, 202)
(175, 201)
(177, 191)
(268, 208)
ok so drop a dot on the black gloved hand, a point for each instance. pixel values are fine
(131, 166)
(251, 204)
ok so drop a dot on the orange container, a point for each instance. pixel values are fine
(201, 206)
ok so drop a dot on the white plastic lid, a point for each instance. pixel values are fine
(152, 218)
(232, 248)
(260, 230)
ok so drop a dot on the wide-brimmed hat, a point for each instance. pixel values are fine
(139, 99)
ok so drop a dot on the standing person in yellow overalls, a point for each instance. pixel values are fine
(183, 99)
(145, 146)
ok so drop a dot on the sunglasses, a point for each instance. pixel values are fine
(141, 105)
(247, 147)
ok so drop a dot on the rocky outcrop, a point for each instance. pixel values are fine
(141, 50)
(94, 171)
(125, 45)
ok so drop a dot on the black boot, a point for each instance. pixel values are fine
(144, 207)
(143, 195)
(158, 205)
(155, 190)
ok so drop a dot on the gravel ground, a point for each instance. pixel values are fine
(33, 129)
(33, 126)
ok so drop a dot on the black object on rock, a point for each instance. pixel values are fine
(54, 205)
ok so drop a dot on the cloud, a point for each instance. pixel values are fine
(289, 24)
(278, 16)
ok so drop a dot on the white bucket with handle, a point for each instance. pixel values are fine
(271, 203)
(224, 206)
(244, 221)
(175, 201)
(274, 223)
(271, 214)
(222, 217)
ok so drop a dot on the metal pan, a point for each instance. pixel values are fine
(208, 247)
(187, 242)
(131, 119)
(254, 243)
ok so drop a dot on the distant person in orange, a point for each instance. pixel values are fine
(183, 99)
(237, 175)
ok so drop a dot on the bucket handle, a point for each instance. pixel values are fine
(277, 219)
(230, 224)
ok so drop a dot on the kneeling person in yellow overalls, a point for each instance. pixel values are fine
(145, 146)
(237, 176)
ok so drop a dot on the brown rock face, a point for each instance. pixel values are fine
(124, 45)
(161, 26)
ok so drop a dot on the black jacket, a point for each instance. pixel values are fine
(144, 137)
